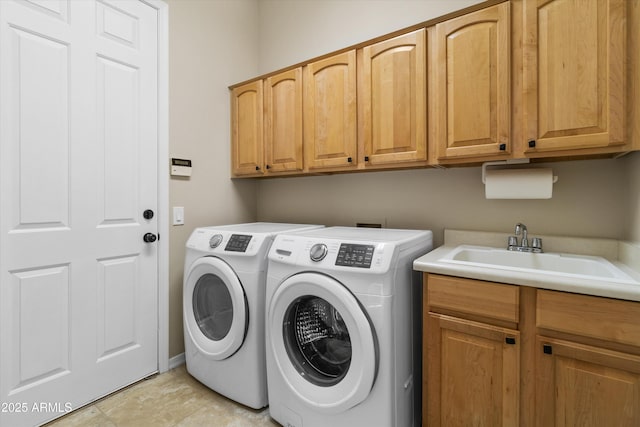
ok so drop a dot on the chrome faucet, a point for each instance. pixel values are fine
(512, 244)
(520, 227)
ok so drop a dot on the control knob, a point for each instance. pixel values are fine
(318, 252)
(215, 241)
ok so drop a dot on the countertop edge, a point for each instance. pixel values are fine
(623, 254)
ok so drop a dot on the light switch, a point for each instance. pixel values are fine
(178, 215)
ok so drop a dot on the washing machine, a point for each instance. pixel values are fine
(224, 307)
(342, 323)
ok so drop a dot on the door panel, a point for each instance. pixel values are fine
(330, 132)
(40, 290)
(575, 73)
(581, 385)
(473, 84)
(78, 166)
(40, 104)
(393, 101)
(283, 121)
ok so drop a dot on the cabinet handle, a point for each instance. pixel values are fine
(349, 159)
(510, 340)
(268, 167)
(547, 349)
(532, 143)
(366, 158)
(503, 147)
(257, 168)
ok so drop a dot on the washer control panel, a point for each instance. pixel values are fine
(354, 255)
(238, 243)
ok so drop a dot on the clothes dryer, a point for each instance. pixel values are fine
(223, 304)
(341, 327)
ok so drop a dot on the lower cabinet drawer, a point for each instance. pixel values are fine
(487, 299)
(596, 317)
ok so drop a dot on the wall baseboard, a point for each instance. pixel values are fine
(176, 361)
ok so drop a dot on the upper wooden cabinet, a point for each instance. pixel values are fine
(283, 122)
(246, 130)
(266, 126)
(511, 79)
(575, 63)
(392, 100)
(330, 113)
(472, 84)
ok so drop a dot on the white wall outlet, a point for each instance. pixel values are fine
(178, 215)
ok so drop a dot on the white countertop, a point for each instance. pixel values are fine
(624, 255)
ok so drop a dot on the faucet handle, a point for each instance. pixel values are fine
(536, 243)
(512, 241)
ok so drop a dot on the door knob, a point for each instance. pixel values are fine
(149, 238)
(147, 214)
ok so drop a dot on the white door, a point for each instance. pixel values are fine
(78, 156)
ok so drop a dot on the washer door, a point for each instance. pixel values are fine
(322, 342)
(215, 308)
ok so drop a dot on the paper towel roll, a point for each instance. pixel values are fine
(519, 183)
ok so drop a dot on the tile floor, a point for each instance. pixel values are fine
(173, 399)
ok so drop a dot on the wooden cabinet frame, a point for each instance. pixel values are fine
(572, 351)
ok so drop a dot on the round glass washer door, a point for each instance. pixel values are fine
(215, 308)
(322, 342)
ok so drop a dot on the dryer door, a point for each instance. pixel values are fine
(322, 342)
(215, 308)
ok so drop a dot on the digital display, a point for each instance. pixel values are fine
(181, 162)
(238, 243)
(351, 255)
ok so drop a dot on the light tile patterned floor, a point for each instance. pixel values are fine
(173, 399)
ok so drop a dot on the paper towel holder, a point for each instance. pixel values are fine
(506, 163)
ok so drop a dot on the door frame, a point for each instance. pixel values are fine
(162, 9)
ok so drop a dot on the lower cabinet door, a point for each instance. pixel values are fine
(471, 373)
(583, 386)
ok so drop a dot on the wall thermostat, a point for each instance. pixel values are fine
(180, 167)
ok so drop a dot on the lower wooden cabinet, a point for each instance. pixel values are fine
(581, 385)
(473, 373)
(506, 355)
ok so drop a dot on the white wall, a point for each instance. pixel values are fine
(633, 165)
(293, 31)
(212, 44)
(591, 198)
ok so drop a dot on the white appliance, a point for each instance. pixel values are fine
(341, 327)
(223, 304)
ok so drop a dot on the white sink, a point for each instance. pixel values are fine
(579, 266)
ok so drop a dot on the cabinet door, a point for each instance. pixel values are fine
(473, 85)
(330, 112)
(583, 386)
(472, 373)
(575, 67)
(246, 129)
(392, 100)
(283, 122)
